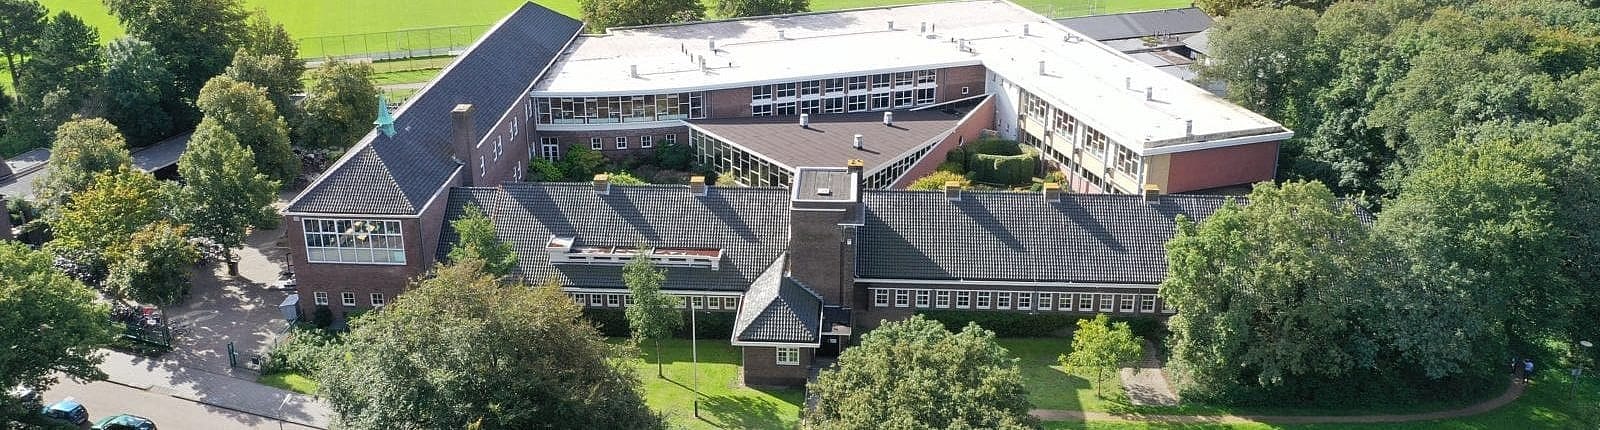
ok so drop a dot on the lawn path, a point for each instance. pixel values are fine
(1512, 393)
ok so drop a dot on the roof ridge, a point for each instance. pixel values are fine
(1131, 12)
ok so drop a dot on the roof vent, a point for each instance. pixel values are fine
(602, 184)
(923, 28)
(1188, 127)
(1152, 192)
(888, 118)
(933, 28)
(633, 70)
(1052, 192)
(697, 185)
(711, 43)
(1149, 94)
(952, 190)
(891, 25)
(824, 191)
(1025, 31)
(781, 36)
(805, 120)
(1127, 83)
(1041, 69)
(858, 141)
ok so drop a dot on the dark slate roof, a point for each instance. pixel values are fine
(750, 224)
(830, 139)
(778, 309)
(397, 175)
(1139, 24)
(1003, 236)
(161, 154)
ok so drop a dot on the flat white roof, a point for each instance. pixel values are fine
(1100, 85)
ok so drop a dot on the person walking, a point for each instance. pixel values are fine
(1527, 370)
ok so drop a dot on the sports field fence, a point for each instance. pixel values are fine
(387, 45)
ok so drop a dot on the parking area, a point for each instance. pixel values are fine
(105, 399)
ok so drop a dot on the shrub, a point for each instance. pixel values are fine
(994, 147)
(709, 324)
(302, 351)
(322, 317)
(542, 170)
(674, 156)
(1007, 324)
(936, 180)
(625, 178)
(1006, 169)
(581, 163)
(727, 179)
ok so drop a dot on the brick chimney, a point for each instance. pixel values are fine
(1052, 192)
(602, 184)
(1152, 192)
(463, 140)
(5, 220)
(697, 186)
(952, 190)
(822, 231)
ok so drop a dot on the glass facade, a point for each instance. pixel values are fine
(354, 241)
(611, 110)
(726, 159)
(851, 94)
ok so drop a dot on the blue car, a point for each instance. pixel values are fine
(124, 422)
(68, 410)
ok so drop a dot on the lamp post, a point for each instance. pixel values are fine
(694, 354)
(1579, 356)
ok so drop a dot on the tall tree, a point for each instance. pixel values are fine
(265, 37)
(744, 8)
(52, 323)
(102, 219)
(1270, 294)
(222, 192)
(154, 266)
(21, 23)
(602, 14)
(1101, 347)
(339, 107)
(270, 60)
(476, 240)
(196, 38)
(1264, 60)
(916, 374)
(653, 315)
(67, 56)
(480, 352)
(83, 149)
(135, 83)
(244, 111)
(1228, 7)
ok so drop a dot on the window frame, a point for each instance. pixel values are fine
(941, 299)
(983, 300)
(1086, 302)
(1107, 301)
(319, 298)
(377, 300)
(1002, 300)
(880, 298)
(647, 141)
(792, 353)
(336, 241)
(1023, 300)
(597, 144)
(1126, 303)
(1047, 301)
(923, 299)
(902, 298)
(622, 142)
(963, 299)
(348, 299)
(1147, 303)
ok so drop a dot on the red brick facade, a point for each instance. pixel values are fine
(608, 139)
(1220, 167)
(761, 367)
(981, 118)
(953, 80)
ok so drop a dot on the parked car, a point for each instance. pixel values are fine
(124, 422)
(24, 395)
(68, 410)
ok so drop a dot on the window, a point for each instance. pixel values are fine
(761, 92)
(1045, 300)
(377, 299)
(698, 302)
(1127, 161)
(580, 298)
(1096, 142)
(1126, 303)
(963, 299)
(1086, 302)
(927, 76)
(713, 303)
(785, 108)
(789, 356)
(622, 143)
(513, 127)
(924, 96)
(811, 106)
(880, 298)
(499, 146)
(627, 300)
(902, 298)
(594, 143)
(1024, 301)
(730, 303)
(880, 101)
(482, 166)
(902, 99)
(785, 90)
(348, 299)
(615, 109)
(354, 241)
(613, 300)
(880, 81)
(810, 88)
(983, 299)
(1106, 302)
(856, 103)
(904, 79)
(857, 83)
(1002, 300)
(550, 151)
(671, 139)
(761, 110)
(922, 298)
(941, 299)
(833, 105)
(1147, 303)
(835, 85)
(646, 142)
(597, 300)
(966, 90)
(320, 298)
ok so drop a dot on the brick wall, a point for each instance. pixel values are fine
(952, 79)
(361, 279)
(5, 218)
(761, 367)
(728, 103)
(1221, 167)
(981, 118)
(608, 139)
(513, 147)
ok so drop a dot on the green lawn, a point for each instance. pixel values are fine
(1051, 386)
(724, 404)
(313, 18)
(290, 381)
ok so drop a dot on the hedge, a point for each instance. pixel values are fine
(1006, 169)
(710, 324)
(1021, 324)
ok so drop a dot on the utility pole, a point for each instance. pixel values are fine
(694, 355)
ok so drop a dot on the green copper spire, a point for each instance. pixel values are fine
(385, 121)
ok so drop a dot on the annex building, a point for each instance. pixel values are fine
(825, 117)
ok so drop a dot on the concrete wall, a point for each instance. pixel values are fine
(1220, 167)
(981, 118)
(1006, 97)
(761, 367)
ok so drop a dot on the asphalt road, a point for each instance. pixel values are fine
(170, 413)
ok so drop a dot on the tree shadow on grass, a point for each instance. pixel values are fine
(742, 413)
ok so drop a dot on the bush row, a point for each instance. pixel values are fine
(1021, 324)
(709, 324)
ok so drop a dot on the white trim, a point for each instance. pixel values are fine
(672, 292)
(780, 344)
(739, 84)
(671, 123)
(953, 283)
(855, 192)
(1236, 141)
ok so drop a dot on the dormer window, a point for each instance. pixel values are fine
(567, 250)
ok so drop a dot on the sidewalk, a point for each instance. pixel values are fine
(216, 389)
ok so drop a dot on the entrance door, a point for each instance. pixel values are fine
(830, 346)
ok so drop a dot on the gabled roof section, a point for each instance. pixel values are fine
(1140, 24)
(399, 174)
(778, 309)
(750, 226)
(1002, 236)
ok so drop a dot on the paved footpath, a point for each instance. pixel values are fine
(106, 399)
(1511, 394)
(223, 390)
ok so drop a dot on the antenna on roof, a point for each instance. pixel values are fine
(385, 120)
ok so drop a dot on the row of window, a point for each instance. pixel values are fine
(853, 94)
(747, 168)
(353, 241)
(610, 110)
(885, 178)
(1018, 300)
(348, 299)
(550, 147)
(606, 300)
(1065, 128)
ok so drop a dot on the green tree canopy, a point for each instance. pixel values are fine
(581, 163)
(222, 192)
(916, 374)
(1100, 346)
(339, 107)
(196, 39)
(67, 56)
(82, 150)
(243, 110)
(476, 240)
(53, 325)
(461, 348)
(653, 315)
(21, 23)
(744, 8)
(599, 15)
(154, 266)
(135, 84)
(100, 221)
(1228, 7)
(269, 59)
(1271, 294)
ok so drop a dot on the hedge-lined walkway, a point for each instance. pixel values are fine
(1513, 391)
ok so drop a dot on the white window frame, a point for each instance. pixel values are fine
(1147, 303)
(597, 144)
(983, 300)
(1002, 300)
(319, 298)
(713, 303)
(1108, 302)
(922, 299)
(1047, 301)
(880, 298)
(902, 298)
(647, 141)
(622, 143)
(627, 300)
(1126, 303)
(348, 299)
(613, 300)
(1024, 300)
(941, 299)
(580, 298)
(597, 300)
(730, 303)
(963, 300)
(670, 139)
(331, 241)
(1086, 302)
(378, 300)
(787, 356)
(698, 302)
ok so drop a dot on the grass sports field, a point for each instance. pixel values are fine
(316, 18)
